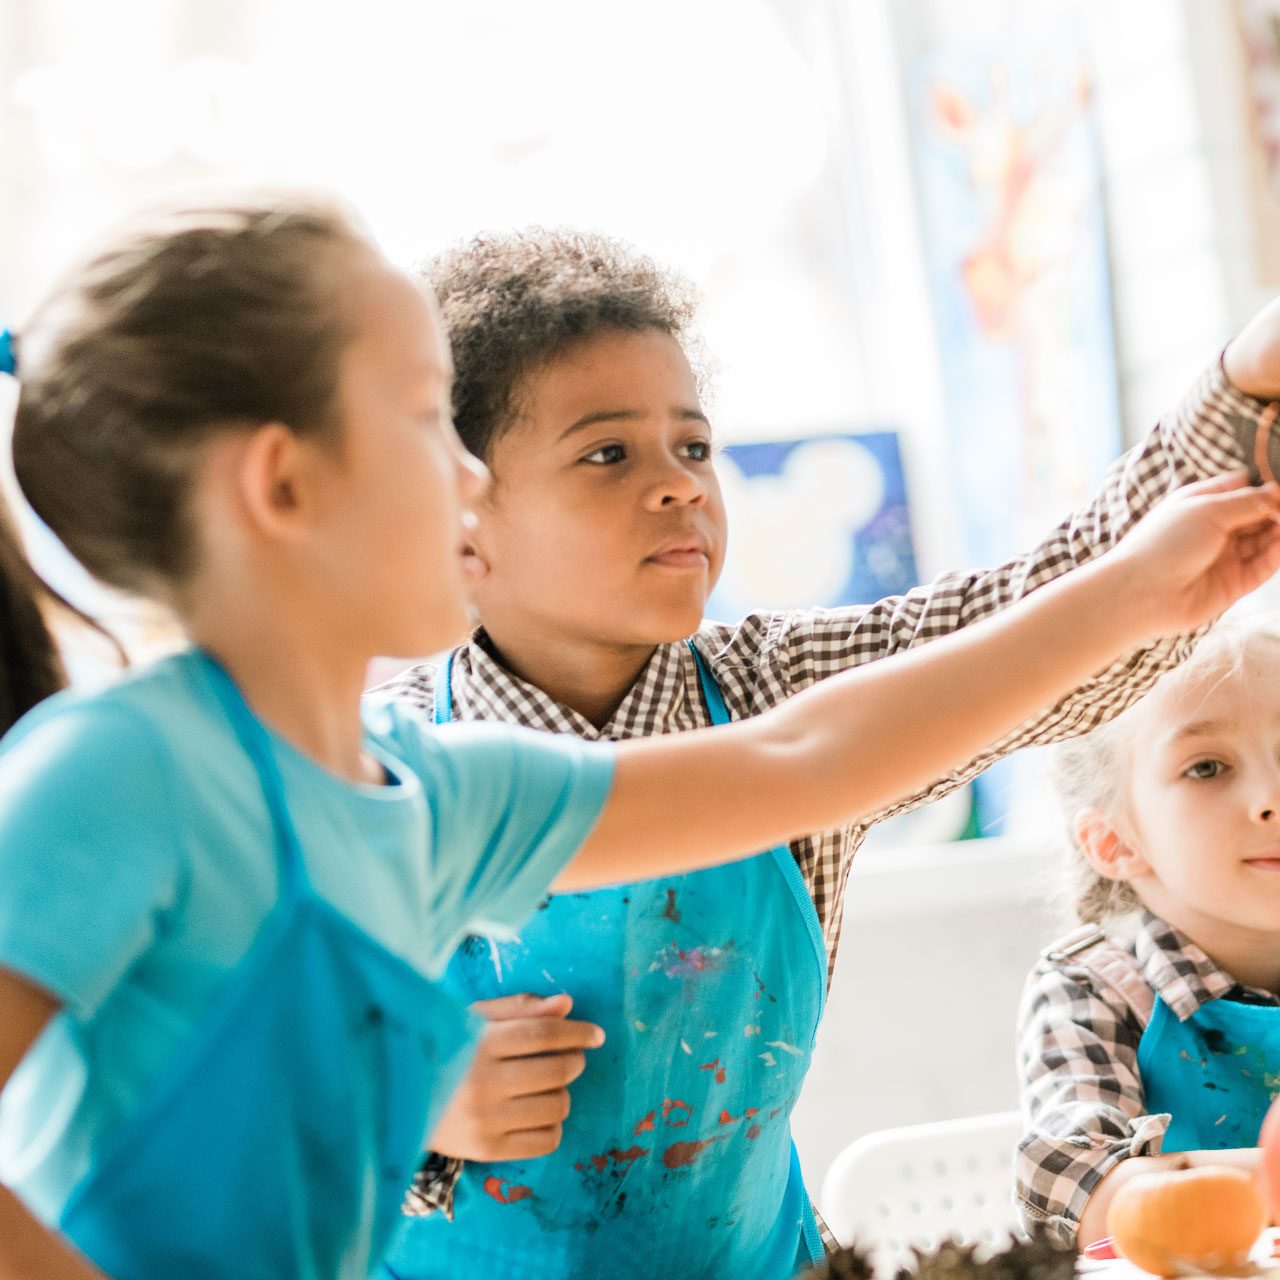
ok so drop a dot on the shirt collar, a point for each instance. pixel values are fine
(1182, 975)
(483, 689)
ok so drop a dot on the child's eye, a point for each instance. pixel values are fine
(1204, 770)
(699, 450)
(606, 456)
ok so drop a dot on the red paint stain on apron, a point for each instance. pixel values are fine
(505, 1194)
(682, 1154)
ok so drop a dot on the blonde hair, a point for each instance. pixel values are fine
(1092, 772)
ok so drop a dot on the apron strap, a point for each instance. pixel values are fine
(710, 689)
(257, 746)
(442, 693)
(1105, 964)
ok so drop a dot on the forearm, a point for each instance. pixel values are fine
(1210, 431)
(851, 744)
(1093, 1221)
(30, 1251)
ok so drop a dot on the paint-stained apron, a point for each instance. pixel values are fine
(1215, 1073)
(677, 1157)
(279, 1142)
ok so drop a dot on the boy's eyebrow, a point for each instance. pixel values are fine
(680, 413)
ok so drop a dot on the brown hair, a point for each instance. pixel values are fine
(30, 668)
(513, 303)
(193, 322)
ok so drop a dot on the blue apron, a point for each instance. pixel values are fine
(1215, 1074)
(279, 1141)
(677, 1157)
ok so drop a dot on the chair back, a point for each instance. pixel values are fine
(915, 1186)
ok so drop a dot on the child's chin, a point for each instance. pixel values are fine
(441, 633)
(675, 625)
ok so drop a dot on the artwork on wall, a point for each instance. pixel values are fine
(1016, 252)
(1015, 246)
(815, 522)
(1259, 27)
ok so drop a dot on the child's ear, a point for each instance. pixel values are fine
(276, 481)
(1105, 849)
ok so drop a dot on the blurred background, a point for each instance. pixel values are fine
(953, 258)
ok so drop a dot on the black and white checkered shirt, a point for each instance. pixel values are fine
(1078, 1040)
(766, 658)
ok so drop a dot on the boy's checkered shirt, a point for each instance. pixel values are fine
(1078, 1060)
(766, 658)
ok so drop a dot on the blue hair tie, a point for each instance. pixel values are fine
(8, 357)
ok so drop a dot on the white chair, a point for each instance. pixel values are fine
(915, 1186)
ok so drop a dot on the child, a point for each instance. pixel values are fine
(596, 552)
(223, 897)
(1162, 1051)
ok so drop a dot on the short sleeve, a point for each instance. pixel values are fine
(507, 809)
(87, 862)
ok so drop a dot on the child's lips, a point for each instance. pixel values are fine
(682, 558)
(1267, 862)
(472, 565)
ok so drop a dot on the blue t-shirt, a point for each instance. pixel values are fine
(138, 860)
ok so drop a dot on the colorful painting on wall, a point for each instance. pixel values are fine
(1259, 26)
(1015, 246)
(1016, 251)
(815, 522)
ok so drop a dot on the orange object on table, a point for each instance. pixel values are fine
(1205, 1219)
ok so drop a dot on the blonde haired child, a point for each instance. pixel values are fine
(225, 893)
(1158, 1046)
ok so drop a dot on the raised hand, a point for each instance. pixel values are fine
(1199, 551)
(515, 1097)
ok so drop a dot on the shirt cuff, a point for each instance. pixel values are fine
(1216, 427)
(1067, 1170)
(433, 1187)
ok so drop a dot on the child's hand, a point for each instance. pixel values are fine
(1198, 552)
(515, 1097)
(1252, 360)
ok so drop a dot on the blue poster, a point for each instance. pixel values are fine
(815, 522)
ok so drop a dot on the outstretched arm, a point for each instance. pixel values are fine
(1225, 422)
(825, 756)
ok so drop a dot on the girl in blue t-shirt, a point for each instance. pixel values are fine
(225, 891)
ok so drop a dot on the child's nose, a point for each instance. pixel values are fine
(677, 486)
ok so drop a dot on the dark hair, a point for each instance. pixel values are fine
(195, 321)
(513, 303)
(30, 668)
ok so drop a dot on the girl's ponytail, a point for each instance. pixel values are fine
(30, 668)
